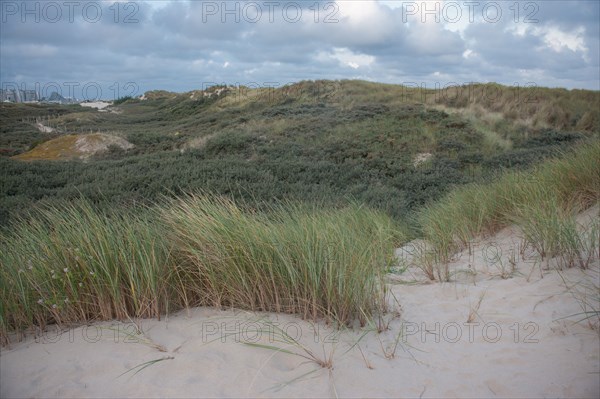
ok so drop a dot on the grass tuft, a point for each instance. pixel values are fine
(542, 201)
(293, 259)
(75, 264)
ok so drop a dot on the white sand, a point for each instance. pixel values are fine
(43, 128)
(96, 104)
(524, 345)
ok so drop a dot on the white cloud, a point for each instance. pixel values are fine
(518, 29)
(171, 47)
(154, 4)
(391, 3)
(558, 40)
(362, 22)
(553, 37)
(345, 57)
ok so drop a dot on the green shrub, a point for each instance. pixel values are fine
(122, 100)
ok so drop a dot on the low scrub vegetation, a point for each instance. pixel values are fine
(323, 141)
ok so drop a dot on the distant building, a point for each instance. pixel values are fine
(8, 96)
(18, 95)
(29, 96)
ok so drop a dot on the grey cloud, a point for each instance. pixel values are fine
(177, 47)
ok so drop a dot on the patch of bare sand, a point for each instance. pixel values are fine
(72, 146)
(95, 104)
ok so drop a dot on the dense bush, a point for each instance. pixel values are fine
(122, 100)
(353, 140)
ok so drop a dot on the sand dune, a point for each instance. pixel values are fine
(75, 146)
(523, 340)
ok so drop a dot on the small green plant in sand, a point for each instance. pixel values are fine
(380, 327)
(133, 333)
(142, 366)
(506, 267)
(281, 341)
(418, 253)
(278, 341)
(586, 292)
(474, 310)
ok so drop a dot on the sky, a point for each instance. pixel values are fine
(108, 49)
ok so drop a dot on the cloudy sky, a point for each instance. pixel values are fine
(129, 47)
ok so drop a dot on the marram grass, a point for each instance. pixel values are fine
(314, 262)
(543, 202)
(75, 264)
